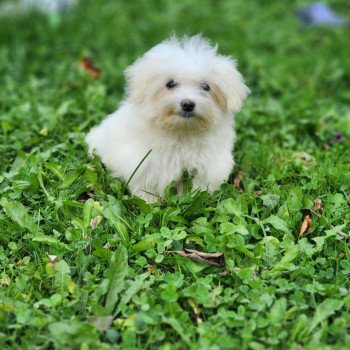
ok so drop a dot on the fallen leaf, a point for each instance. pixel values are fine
(318, 207)
(89, 67)
(305, 225)
(216, 259)
(237, 180)
(204, 255)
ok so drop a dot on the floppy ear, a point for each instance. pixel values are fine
(137, 78)
(230, 85)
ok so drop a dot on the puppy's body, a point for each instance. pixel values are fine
(122, 142)
(180, 101)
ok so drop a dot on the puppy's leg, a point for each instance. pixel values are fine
(146, 193)
(148, 197)
(141, 187)
(210, 177)
(203, 182)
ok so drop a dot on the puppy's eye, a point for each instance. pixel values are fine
(171, 84)
(205, 87)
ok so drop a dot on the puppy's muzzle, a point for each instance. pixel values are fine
(187, 108)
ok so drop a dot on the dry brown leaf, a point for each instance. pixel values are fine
(305, 225)
(237, 180)
(205, 255)
(318, 207)
(216, 259)
(89, 67)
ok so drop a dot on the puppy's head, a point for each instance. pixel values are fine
(185, 84)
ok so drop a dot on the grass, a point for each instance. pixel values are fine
(86, 266)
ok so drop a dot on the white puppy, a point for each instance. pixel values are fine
(179, 106)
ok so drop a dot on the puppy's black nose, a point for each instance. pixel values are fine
(188, 106)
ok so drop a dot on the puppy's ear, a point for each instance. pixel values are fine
(138, 79)
(231, 89)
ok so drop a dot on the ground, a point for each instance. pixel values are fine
(86, 266)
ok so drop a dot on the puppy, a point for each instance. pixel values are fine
(177, 117)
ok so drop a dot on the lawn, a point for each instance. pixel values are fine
(83, 265)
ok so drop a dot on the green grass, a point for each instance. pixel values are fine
(85, 266)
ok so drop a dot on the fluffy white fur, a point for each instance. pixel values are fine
(151, 118)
